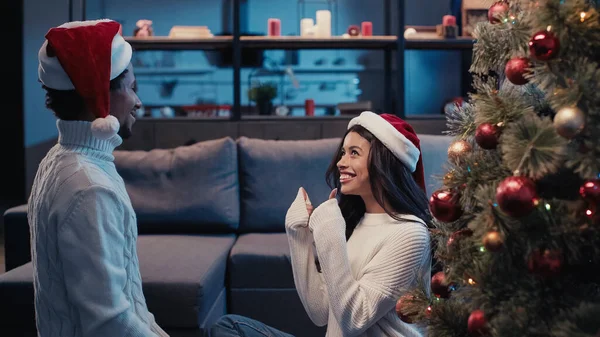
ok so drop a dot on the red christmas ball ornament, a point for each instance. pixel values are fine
(486, 136)
(405, 315)
(497, 11)
(590, 191)
(445, 206)
(516, 196)
(544, 45)
(546, 263)
(515, 70)
(457, 235)
(439, 286)
(476, 325)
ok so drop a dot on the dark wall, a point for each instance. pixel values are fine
(12, 138)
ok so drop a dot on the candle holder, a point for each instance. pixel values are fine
(331, 5)
(448, 29)
(447, 32)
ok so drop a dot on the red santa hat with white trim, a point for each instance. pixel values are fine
(85, 56)
(397, 136)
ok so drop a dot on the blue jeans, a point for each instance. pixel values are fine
(235, 325)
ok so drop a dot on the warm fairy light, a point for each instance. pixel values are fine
(471, 281)
(582, 15)
(589, 212)
(549, 28)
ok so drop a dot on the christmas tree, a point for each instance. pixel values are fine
(516, 224)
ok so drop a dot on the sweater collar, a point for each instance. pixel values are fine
(77, 136)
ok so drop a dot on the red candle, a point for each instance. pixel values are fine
(449, 20)
(274, 27)
(309, 107)
(366, 28)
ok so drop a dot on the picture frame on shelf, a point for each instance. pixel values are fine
(473, 12)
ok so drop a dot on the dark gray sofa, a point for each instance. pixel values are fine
(211, 231)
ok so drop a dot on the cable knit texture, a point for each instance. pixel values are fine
(84, 233)
(361, 279)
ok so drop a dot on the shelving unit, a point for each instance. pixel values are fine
(425, 39)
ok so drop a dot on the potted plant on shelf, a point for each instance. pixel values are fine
(263, 95)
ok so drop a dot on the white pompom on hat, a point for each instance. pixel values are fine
(85, 56)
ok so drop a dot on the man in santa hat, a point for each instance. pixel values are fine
(83, 228)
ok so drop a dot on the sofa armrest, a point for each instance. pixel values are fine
(16, 237)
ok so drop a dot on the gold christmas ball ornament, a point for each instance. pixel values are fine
(448, 177)
(458, 149)
(493, 241)
(569, 122)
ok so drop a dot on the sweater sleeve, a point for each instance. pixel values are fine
(92, 252)
(309, 283)
(358, 304)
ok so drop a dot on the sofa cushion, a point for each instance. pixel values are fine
(271, 171)
(182, 275)
(434, 149)
(261, 284)
(17, 297)
(261, 260)
(182, 278)
(188, 188)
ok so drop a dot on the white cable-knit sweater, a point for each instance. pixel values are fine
(84, 232)
(361, 280)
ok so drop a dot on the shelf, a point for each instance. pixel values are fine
(431, 41)
(300, 42)
(167, 43)
(418, 41)
(172, 71)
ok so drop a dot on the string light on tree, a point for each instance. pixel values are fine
(448, 177)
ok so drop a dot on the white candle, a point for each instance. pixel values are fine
(306, 27)
(323, 23)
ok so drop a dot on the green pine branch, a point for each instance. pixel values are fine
(498, 43)
(579, 38)
(532, 147)
(461, 121)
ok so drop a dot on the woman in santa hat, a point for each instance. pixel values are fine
(371, 237)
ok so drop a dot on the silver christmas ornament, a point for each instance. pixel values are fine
(569, 122)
